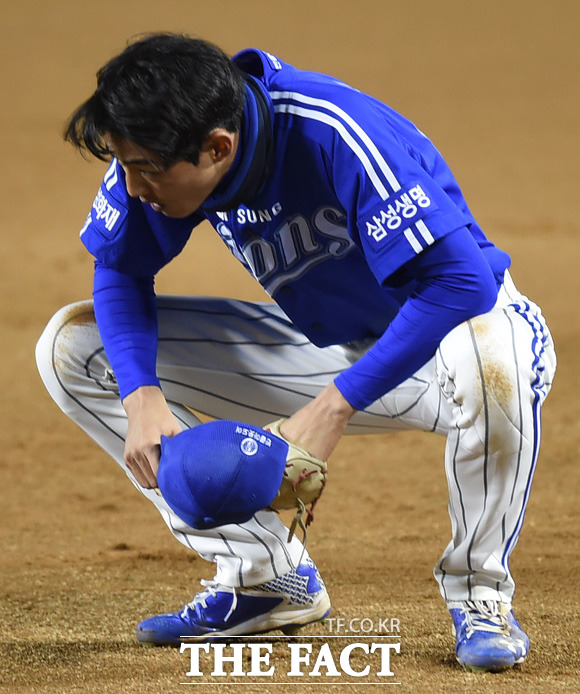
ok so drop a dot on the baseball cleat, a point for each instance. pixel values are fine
(287, 603)
(488, 636)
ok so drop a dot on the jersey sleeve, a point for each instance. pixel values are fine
(454, 283)
(127, 235)
(131, 243)
(399, 194)
(407, 215)
(126, 315)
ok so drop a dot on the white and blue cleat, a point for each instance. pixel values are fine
(488, 636)
(287, 603)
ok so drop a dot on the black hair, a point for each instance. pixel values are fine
(165, 92)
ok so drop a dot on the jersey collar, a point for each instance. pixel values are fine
(253, 161)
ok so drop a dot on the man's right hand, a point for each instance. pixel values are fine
(149, 418)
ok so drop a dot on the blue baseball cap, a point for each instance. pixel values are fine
(220, 472)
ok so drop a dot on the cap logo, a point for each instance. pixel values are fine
(220, 472)
(249, 446)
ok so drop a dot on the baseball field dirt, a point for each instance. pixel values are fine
(84, 558)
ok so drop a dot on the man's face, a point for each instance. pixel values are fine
(181, 189)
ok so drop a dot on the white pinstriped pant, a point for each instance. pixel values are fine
(244, 361)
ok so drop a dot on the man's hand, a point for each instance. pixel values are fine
(318, 426)
(149, 418)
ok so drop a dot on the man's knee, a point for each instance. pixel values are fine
(57, 348)
(478, 373)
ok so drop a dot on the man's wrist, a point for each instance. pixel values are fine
(339, 404)
(136, 398)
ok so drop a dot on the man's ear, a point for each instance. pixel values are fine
(220, 144)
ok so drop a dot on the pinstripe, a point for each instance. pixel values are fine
(454, 460)
(168, 519)
(520, 428)
(438, 415)
(278, 540)
(263, 543)
(268, 310)
(486, 441)
(265, 378)
(443, 576)
(402, 413)
(68, 392)
(87, 367)
(539, 389)
(457, 483)
(534, 458)
(239, 558)
(274, 414)
(279, 387)
(231, 342)
(257, 375)
(462, 505)
(220, 398)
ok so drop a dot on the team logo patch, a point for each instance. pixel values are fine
(103, 210)
(398, 212)
(252, 437)
(107, 213)
(249, 446)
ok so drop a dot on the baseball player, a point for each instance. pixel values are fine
(391, 310)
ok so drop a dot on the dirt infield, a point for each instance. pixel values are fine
(84, 557)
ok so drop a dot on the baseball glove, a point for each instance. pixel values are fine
(302, 483)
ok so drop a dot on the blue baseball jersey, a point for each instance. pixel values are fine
(354, 193)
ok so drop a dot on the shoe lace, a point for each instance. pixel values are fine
(211, 590)
(486, 615)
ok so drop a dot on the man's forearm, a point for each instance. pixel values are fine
(126, 315)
